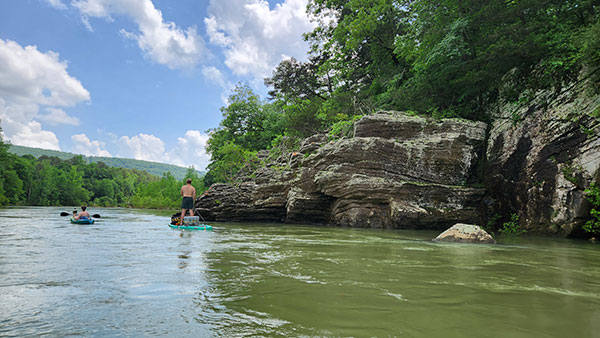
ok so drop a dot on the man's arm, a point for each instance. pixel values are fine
(181, 191)
(194, 194)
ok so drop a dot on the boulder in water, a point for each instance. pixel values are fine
(465, 233)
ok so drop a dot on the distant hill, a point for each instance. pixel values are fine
(153, 168)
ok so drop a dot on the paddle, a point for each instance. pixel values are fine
(64, 213)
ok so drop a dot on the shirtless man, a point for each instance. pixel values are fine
(189, 196)
(83, 213)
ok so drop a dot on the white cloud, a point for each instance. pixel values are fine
(216, 76)
(28, 79)
(189, 151)
(255, 38)
(58, 116)
(142, 147)
(27, 75)
(58, 4)
(162, 41)
(213, 74)
(111, 136)
(32, 135)
(83, 145)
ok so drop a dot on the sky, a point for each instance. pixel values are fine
(142, 79)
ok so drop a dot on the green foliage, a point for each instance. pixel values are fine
(351, 64)
(282, 145)
(596, 112)
(163, 193)
(588, 131)
(515, 118)
(569, 174)
(462, 50)
(248, 125)
(197, 180)
(512, 227)
(491, 223)
(227, 163)
(247, 122)
(300, 117)
(590, 43)
(593, 196)
(355, 52)
(449, 58)
(9, 182)
(343, 128)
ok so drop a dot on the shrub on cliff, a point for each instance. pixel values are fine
(512, 227)
(343, 128)
(593, 196)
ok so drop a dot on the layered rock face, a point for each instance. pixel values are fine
(541, 156)
(398, 171)
(260, 199)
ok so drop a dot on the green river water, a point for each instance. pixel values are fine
(129, 274)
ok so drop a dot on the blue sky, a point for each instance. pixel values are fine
(140, 79)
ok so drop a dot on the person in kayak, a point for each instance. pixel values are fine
(83, 214)
(189, 196)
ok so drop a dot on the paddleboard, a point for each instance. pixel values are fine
(191, 227)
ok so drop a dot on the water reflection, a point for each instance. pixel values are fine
(184, 249)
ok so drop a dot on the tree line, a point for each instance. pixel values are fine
(50, 181)
(448, 58)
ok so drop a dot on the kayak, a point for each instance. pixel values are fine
(82, 221)
(191, 227)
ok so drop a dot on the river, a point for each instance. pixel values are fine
(129, 274)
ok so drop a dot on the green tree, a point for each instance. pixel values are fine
(462, 52)
(247, 122)
(593, 196)
(4, 168)
(197, 180)
(25, 168)
(448, 57)
(158, 194)
(356, 52)
(231, 159)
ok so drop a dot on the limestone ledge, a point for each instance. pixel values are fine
(398, 171)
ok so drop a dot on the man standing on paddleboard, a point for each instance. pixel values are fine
(189, 196)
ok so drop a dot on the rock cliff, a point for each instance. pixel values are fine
(404, 171)
(540, 158)
(397, 171)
